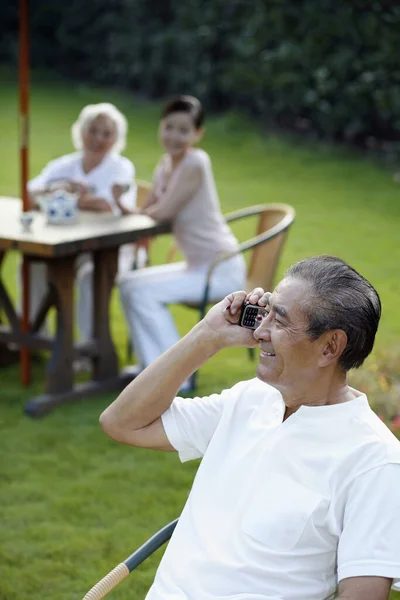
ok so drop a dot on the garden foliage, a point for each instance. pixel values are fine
(328, 67)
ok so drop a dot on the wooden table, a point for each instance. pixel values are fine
(58, 246)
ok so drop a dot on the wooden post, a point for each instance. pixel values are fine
(24, 143)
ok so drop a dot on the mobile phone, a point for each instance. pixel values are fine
(251, 315)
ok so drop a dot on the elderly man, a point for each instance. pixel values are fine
(298, 491)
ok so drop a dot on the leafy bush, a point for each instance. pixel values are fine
(330, 67)
(379, 378)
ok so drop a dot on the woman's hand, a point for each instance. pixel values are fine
(150, 211)
(223, 318)
(118, 191)
(67, 185)
(93, 203)
(151, 199)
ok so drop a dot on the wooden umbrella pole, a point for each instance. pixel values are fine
(24, 144)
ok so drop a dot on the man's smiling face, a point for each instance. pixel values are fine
(288, 356)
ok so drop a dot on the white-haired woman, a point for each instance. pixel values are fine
(98, 135)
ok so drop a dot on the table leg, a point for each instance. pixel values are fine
(105, 364)
(7, 355)
(61, 278)
(59, 373)
(59, 383)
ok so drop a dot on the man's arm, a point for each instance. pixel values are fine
(364, 588)
(134, 417)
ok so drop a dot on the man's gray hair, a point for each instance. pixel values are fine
(340, 298)
(89, 113)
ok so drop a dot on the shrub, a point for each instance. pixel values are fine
(380, 380)
(330, 67)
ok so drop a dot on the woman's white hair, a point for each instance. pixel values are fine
(89, 113)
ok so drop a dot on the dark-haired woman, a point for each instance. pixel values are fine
(184, 193)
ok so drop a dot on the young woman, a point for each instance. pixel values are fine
(184, 193)
(92, 172)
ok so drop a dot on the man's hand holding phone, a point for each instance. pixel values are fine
(251, 315)
(252, 308)
(233, 319)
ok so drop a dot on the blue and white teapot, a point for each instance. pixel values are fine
(60, 207)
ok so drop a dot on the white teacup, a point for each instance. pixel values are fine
(26, 220)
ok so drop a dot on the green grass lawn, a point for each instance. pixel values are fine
(74, 503)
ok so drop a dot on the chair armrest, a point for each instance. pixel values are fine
(172, 250)
(155, 542)
(250, 211)
(255, 241)
(217, 261)
(267, 235)
(121, 571)
(143, 189)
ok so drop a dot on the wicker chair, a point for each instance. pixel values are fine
(274, 221)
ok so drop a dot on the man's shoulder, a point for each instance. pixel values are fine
(378, 437)
(252, 393)
(365, 444)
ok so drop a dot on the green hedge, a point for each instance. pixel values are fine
(328, 66)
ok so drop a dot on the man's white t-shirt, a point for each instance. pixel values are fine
(280, 510)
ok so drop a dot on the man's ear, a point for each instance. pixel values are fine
(333, 344)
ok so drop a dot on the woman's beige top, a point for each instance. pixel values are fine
(188, 197)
